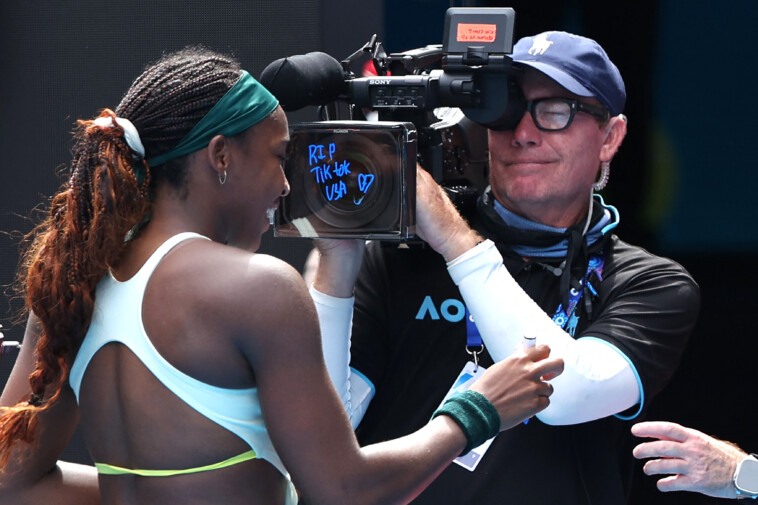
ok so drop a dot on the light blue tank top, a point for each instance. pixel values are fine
(117, 317)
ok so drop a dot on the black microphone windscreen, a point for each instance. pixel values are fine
(304, 79)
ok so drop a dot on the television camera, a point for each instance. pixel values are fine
(355, 178)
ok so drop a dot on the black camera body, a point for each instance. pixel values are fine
(429, 106)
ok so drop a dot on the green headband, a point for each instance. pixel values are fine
(246, 103)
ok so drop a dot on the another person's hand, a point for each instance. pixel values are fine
(337, 263)
(438, 221)
(516, 385)
(692, 460)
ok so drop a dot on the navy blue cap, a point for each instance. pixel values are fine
(577, 63)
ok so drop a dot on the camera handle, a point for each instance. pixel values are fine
(378, 55)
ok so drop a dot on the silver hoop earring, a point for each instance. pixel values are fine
(605, 174)
(222, 177)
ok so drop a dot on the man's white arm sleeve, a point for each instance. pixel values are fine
(335, 316)
(598, 379)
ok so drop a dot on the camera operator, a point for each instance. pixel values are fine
(539, 259)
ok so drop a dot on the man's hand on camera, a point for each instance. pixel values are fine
(338, 263)
(438, 221)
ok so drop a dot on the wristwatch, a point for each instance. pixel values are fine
(746, 478)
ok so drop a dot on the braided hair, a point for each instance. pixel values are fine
(106, 197)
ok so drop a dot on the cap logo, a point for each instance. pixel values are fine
(540, 44)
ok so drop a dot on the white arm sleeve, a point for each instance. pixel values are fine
(335, 316)
(598, 379)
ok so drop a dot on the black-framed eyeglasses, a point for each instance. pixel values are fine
(554, 114)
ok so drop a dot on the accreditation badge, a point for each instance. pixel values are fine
(470, 374)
